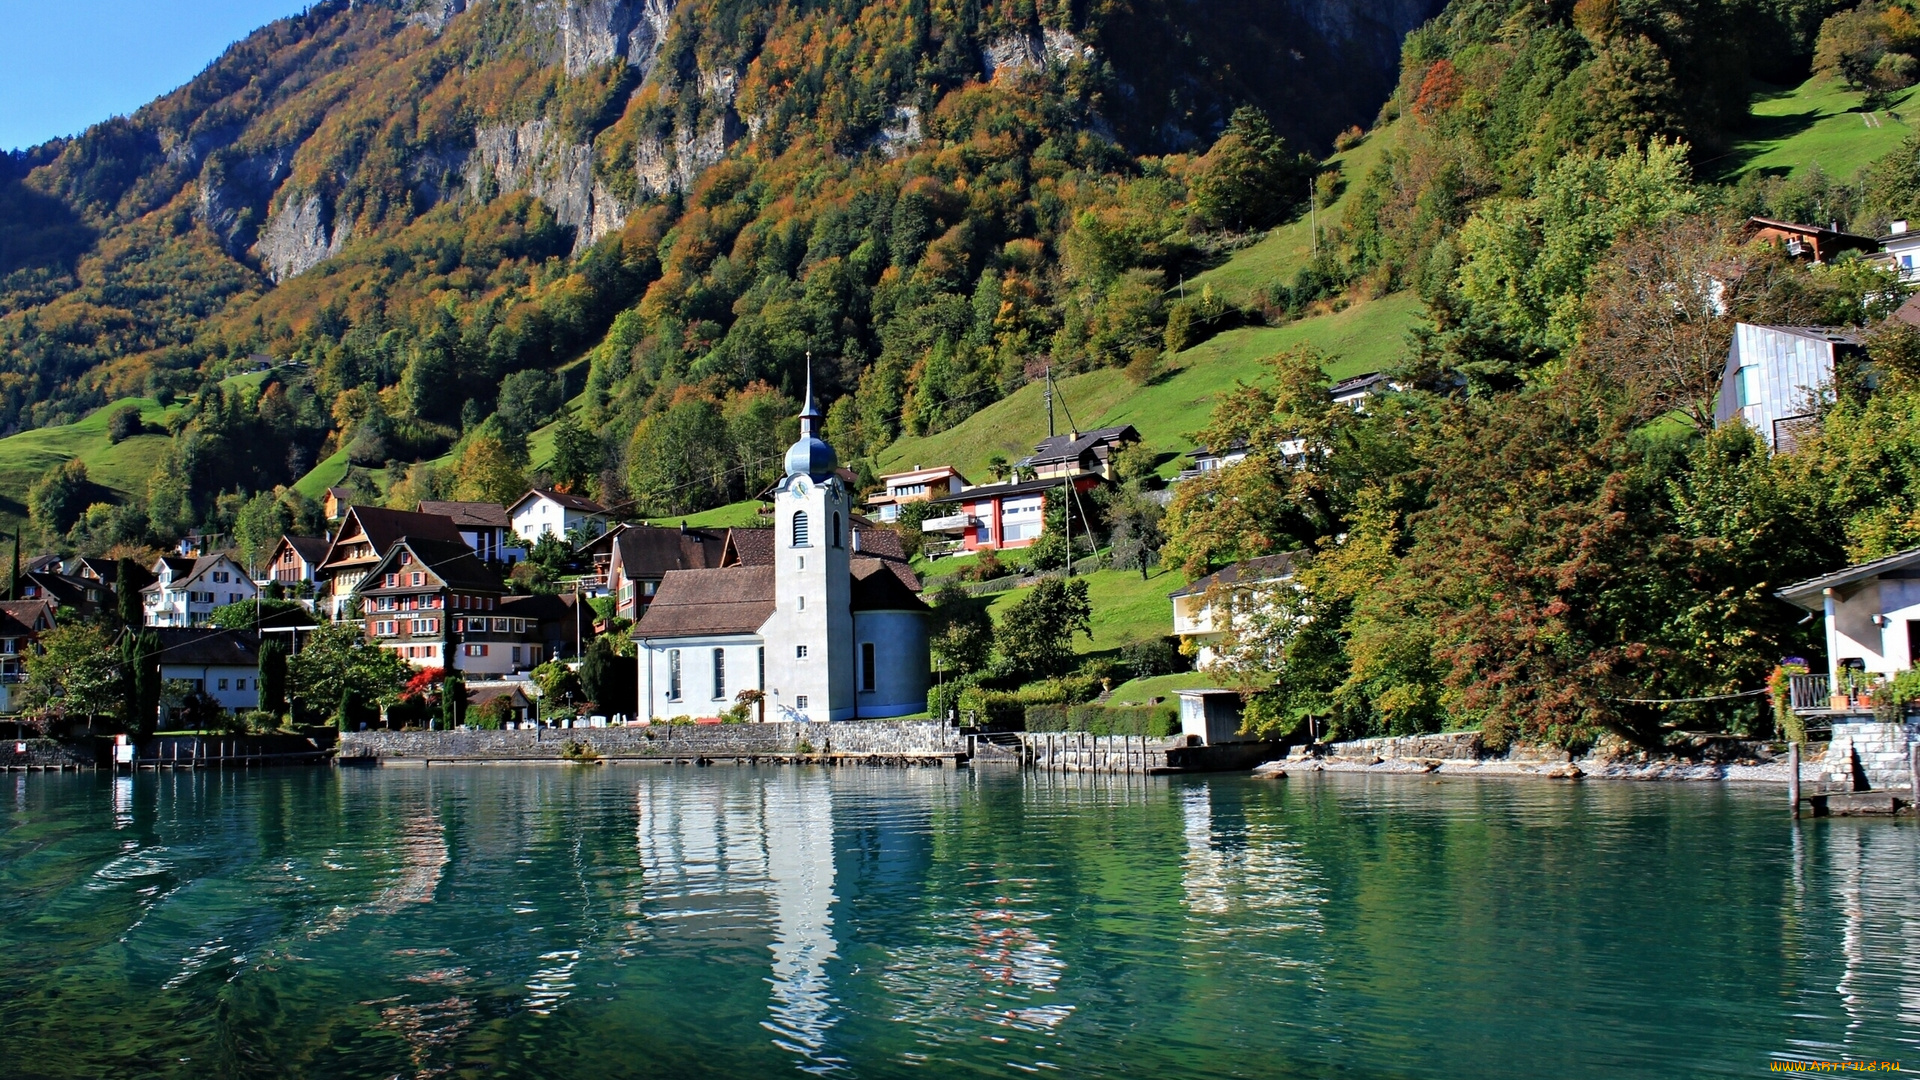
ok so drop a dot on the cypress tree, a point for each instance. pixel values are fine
(273, 678)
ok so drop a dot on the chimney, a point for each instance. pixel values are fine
(1898, 228)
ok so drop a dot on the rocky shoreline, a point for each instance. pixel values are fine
(1671, 770)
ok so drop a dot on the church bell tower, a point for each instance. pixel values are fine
(809, 639)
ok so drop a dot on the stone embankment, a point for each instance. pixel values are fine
(38, 755)
(1465, 754)
(904, 742)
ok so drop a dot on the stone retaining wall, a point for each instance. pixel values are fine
(45, 754)
(864, 738)
(1448, 746)
(1880, 749)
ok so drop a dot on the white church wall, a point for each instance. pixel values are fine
(740, 668)
(901, 662)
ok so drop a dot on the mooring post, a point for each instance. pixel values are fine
(1913, 775)
(1793, 776)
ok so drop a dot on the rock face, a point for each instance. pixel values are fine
(1029, 52)
(596, 32)
(665, 166)
(300, 235)
(532, 158)
(433, 14)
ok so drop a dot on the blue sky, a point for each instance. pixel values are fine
(66, 64)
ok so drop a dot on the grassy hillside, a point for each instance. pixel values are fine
(1125, 607)
(1818, 122)
(1365, 337)
(745, 514)
(122, 468)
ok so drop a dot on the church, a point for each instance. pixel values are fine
(824, 630)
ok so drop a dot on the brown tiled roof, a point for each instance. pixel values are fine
(1264, 568)
(71, 591)
(485, 692)
(310, 548)
(217, 648)
(729, 600)
(878, 586)
(382, 527)
(648, 551)
(452, 561)
(18, 618)
(482, 514)
(749, 547)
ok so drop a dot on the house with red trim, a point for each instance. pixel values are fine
(996, 516)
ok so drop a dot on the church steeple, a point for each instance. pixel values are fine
(810, 455)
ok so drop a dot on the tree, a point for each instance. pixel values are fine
(273, 677)
(559, 686)
(127, 607)
(1136, 534)
(487, 472)
(678, 461)
(610, 681)
(453, 700)
(578, 455)
(57, 499)
(73, 674)
(124, 424)
(338, 664)
(1035, 636)
(961, 631)
(241, 615)
(1249, 180)
(528, 399)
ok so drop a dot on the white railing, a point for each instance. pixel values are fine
(950, 523)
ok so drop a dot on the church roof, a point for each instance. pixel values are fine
(878, 586)
(691, 603)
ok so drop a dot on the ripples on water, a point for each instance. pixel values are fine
(612, 922)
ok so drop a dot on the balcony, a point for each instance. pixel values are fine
(943, 547)
(950, 523)
(1809, 693)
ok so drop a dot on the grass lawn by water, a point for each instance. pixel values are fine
(1818, 122)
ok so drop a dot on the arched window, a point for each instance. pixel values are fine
(836, 528)
(800, 528)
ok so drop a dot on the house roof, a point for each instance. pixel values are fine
(648, 551)
(748, 547)
(1070, 447)
(210, 648)
(566, 501)
(1760, 224)
(1909, 312)
(481, 693)
(1264, 568)
(690, 603)
(878, 585)
(1830, 335)
(1810, 594)
(545, 607)
(41, 562)
(179, 564)
(938, 472)
(483, 515)
(1359, 384)
(755, 547)
(70, 590)
(311, 549)
(382, 527)
(452, 561)
(24, 618)
(1002, 490)
(603, 543)
(340, 493)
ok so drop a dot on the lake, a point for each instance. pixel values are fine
(655, 921)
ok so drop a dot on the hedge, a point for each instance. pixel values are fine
(1154, 721)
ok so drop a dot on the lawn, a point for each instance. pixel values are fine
(1366, 336)
(743, 514)
(1818, 122)
(1143, 691)
(1125, 608)
(123, 468)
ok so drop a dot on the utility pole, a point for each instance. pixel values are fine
(1049, 396)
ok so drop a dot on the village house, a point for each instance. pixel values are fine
(917, 485)
(1203, 460)
(417, 599)
(546, 512)
(640, 556)
(1777, 377)
(336, 502)
(1900, 250)
(484, 692)
(185, 591)
(996, 517)
(484, 526)
(84, 596)
(366, 534)
(1077, 453)
(21, 624)
(1809, 243)
(295, 561)
(1871, 611)
(221, 666)
(824, 631)
(1194, 616)
(107, 571)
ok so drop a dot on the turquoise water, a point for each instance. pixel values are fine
(736, 922)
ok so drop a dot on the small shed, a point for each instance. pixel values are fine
(1213, 715)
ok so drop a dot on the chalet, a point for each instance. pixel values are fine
(1809, 243)
(21, 624)
(1352, 392)
(918, 485)
(414, 594)
(484, 526)
(365, 536)
(1901, 250)
(336, 502)
(41, 562)
(514, 693)
(1194, 617)
(295, 561)
(546, 512)
(1777, 377)
(1204, 460)
(107, 571)
(185, 591)
(997, 516)
(85, 596)
(1077, 453)
(641, 555)
(222, 667)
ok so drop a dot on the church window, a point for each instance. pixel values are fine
(719, 674)
(673, 674)
(799, 652)
(836, 528)
(800, 528)
(867, 666)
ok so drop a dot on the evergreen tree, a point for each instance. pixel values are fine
(273, 678)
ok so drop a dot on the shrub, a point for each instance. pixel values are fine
(1152, 721)
(257, 721)
(1151, 657)
(490, 715)
(124, 424)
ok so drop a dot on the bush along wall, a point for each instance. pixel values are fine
(1153, 721)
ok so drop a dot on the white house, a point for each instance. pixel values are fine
(824, 632)
(185, 591)
(544, 512)
(1901, 248)
(1872, 613)
(1194, 614)
(484, 526)
(222, 665)
(1777, 377)
(917, 485)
